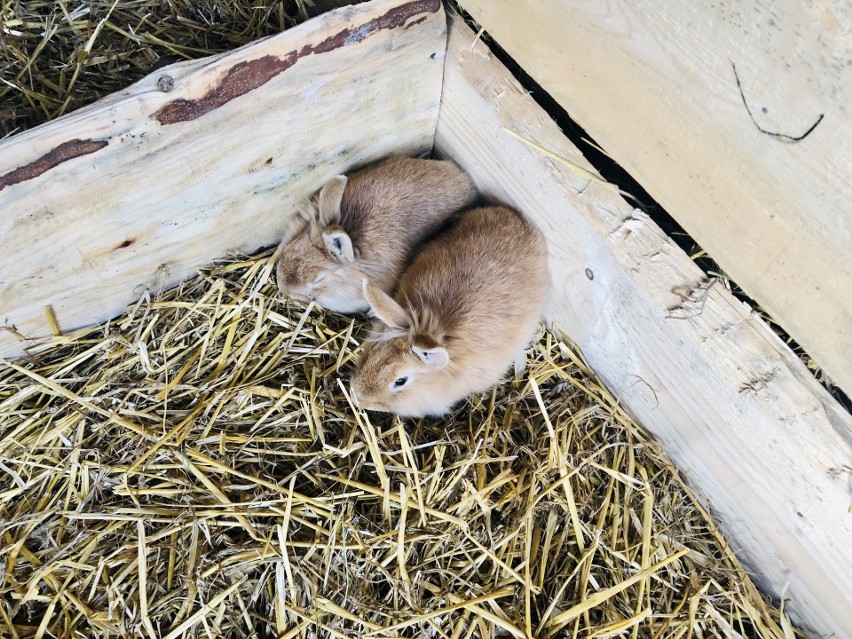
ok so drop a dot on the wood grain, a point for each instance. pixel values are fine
(738, 413)
(205, 157)
(654, 84)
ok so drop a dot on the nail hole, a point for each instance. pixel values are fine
(165, 83)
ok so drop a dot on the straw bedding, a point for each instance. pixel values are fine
(195, 468)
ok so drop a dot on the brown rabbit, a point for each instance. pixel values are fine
(366, 226)
(465, 308)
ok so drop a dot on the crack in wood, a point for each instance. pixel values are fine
(692, 300)
(759, 382)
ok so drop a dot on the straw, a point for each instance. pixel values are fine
(197, 468)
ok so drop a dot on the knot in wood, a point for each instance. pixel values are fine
(165, 83)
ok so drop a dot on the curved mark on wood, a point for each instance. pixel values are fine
(247, 76)
(62, 153)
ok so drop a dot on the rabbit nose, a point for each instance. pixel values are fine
(365, 405)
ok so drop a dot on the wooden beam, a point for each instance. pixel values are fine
(654, 84)
(205, 157)
(739, 414)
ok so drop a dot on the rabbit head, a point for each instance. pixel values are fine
(319, 262)
(403, 369)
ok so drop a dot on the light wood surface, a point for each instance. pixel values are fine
(738, 413)
(203, 158)
(654, 84)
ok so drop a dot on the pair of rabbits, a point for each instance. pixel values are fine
(467, 301)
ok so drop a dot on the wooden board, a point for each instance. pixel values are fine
(734, 408)
(205, 157)
(653, 83)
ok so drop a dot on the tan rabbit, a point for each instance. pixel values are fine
(465, 308)
(366, 226)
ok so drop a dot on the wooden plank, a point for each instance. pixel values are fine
(653, 83)
(206, 157)
(737, 412)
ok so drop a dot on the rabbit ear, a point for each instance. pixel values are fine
(435, 357)
(339, 244)
(330, 197)
(385, 307)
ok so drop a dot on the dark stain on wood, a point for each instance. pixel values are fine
(247, 76)
(62, 153)
(416, 22)
(240, 79)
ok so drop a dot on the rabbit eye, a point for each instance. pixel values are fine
(320, 279)
(400, 382)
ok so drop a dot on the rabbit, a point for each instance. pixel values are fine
(366, 226)
(466, 307)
